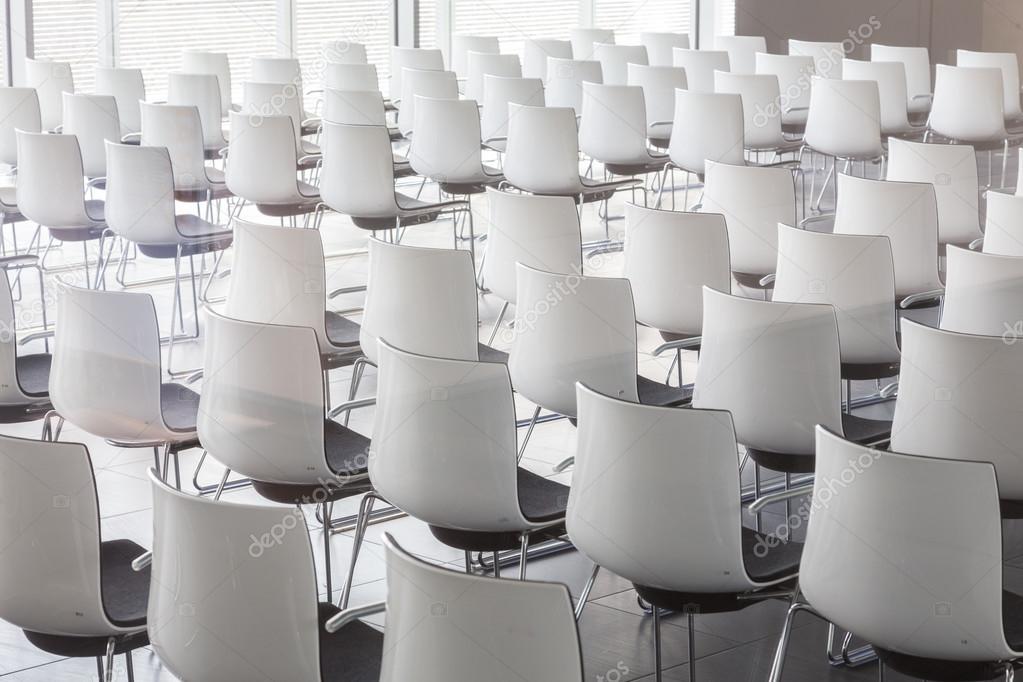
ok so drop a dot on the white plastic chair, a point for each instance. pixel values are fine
(615, 59)
(968, 107)
(262, 100)
(892, 91)
(285, 71)
(1008, 64)
(659, 84)
(535, 52)
(1003, 230)
(583, 40)
(93, 120)
(742, 51)
(795, 75)
(340, 76)
(25, 378)
(128, 88)
(50, 79)
(416, 82)
(660, 46)
(201, 91)
(762, 117)
(343, 52)
(700, 66)
(844, 120)
(214, 64)
(498, 93)
(827, 56)
(418, 58)
(917, 63)
(565, 78)
(612, 130)
(983, 294)
(482, 64)
(178, 128)
(19, 110)
(463, 45)
(362, 108)
(706, 127)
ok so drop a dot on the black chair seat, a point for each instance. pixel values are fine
(347, 450)
(33, 373)
(768, 558)
(125, 590)
(180, 407)
(861, 430)
(353, 653)
(194, 196)
(1011, 509)
(289, 210)
(488, 354)
(341, 331)
(781, 461)
(750, 280)
(661, 395)
(389, 223)
(199, 236)
(85, 647)
(654, 165)
(865, 371)
(85, 233)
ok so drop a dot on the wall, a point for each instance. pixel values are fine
(1003, 25)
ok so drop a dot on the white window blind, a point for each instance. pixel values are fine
(629, 18)
(724, 20)
(152, 34)
(426, 23)
(359, 21)
(68, 31)
(515, 22)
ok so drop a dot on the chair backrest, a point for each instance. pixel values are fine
(625, 448)
(1008, 64)
(261, 100)
(543, 152)
(774, 366)
(535, 637)
(753, 200)
(615, 59)
(891, 85)
(943, 597)
(700, 66)
(462, 45)
(446, 146)
(613, 126)
(128, 88)
(952, 169)
(434, 313)
(659, 84)
(565, 78)
(50, 79)
(215, 569)
(106, 374)
(1003, 230)
(583, 40)
(342, 52)
(280, 70)
(844, 118)
(827, 56)
(762, 118)
(261, 408)
(51, 180)
(357, 177)
(852, 273)
(498, 93)
(706, 127)
(411, 58)
(354, 107)
(448, 462)
(660, 46)
(10, 390)
(906, 213)
(535, 52)
(416, 82)
(342, 76)
(262, 158)
(538, 231)
(669, 257)
(795, 77)
(483, 64)
(50, 530)
(569, 328)
(983, 293)
(93, 120)
(202, 91)
(967, 103)
(19, 110)
(742, 51)
(140, 194)
(917, 63)
(177, 128)
(214, 64)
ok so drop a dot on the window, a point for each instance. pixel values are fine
(68, 31)
(514, 22)
(426, 23)
(153, 33)
(628, 18)
(360, 21)
(724, 19)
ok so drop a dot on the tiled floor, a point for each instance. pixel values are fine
(616, 637)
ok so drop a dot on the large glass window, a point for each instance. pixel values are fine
(628, 18)
(724, 20)
(515, 22)
(68, 31)
(359, 21)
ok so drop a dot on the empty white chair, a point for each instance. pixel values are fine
(342, 76)
(742, 51)
(411, 58)
(128, 88)
(284, 71)
(968, 107)
(1003, 230)
(612, 130)
(952, 169)
(25, 378)
(178, 128)
(214, 64)
(19, 110)
(498, 93)
(262, 100)
(892, 92)
(700, 66)
(201, 91)
(762, 119)
(93, 120)
(565, 78)
(50, 79)
(583, 40)
(983, 294)
(436, 84)
(659, 84)
(917, 63)
(1008, 64)
(795, 75)
(615, 59)
(844, 120)
(362, 108)
(462, 45)
(535, 52)
(343, 52)
(482, 64)
(827, 57)
(660, 46)
(706, 127)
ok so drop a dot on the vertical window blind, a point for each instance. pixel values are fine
(359, 21)
(68, 31)
(629, 18)
(724, 22)
(426, 23)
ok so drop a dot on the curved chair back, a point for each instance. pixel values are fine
(357, 177)
(1008, 64)
(128, 88)
(852, 273)
(762, 119)
(262, 158)
(565, 78)
(844, 120)
(947, 544)
(615, 59)
(354, 107)
(795, 77)
(535, 52)
(538, 231)
(583, 40)
(968, 104)
(891, 85)
(624, 448)
(535, 636)
(50, 530)
(106, 374)
(178, 129)
(140, 194)
(906, 213)
(669, 257)
(483, 64)
(917, 63)
(420, 299)
(261, 408)
(51, 180)
(774, 366)
(742, 51)
(827, 57)
(983, 293)
(280, 70)
(341, 76)
(660, 46)
(1003, 230)
(447, 146)
(202, 91)
(411, 58)
(952, 169)
(212, 572)
(614, 124)
(11, 392)
(444, 447)
(19, 110)
(214, 64)
(543, 150)
(342, 52)
(959, 398)
(498, 93)
(51, 80)
(93, 120)
(463, 45)
(700, 66)
(706, 127)
(262, 100)
(417, 82)
(571, 328)
(753, 201)
(659, 84)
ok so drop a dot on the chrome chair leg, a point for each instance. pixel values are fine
(585, 594)
(129, 666)
(529, 431)
(657, 645)
(111, 643)
(783, 643)
(690, 620)
(524, 558)
(326, 549)
(497, 565)
(497, 324)
(365, 509)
